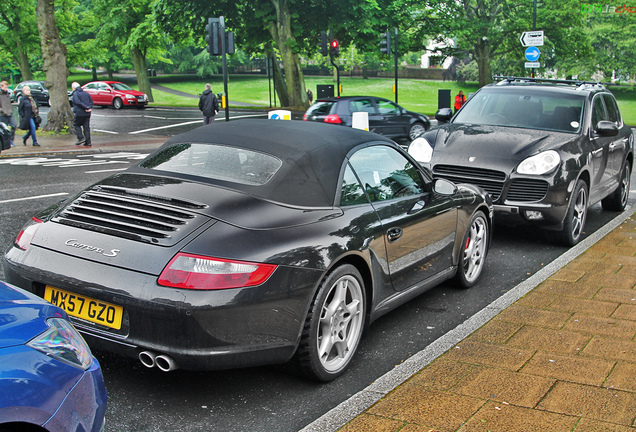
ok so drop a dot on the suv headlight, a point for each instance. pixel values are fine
(540, 164)
(62, 342)
(421, 150)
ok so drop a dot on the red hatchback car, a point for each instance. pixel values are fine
(116, 94)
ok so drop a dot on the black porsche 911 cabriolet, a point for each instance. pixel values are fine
(250, 243)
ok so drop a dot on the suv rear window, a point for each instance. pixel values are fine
(525, 107)
(321, 108)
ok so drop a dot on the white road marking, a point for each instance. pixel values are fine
(33, 197)
(105, 131)
(192, 122)
(103, 171)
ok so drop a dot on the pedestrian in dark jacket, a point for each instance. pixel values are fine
(6, 110)
(28, 110)
(82, 107)
(208, 104)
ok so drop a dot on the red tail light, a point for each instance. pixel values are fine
(205, 273)
(333, 118)
(27, 232)
(305, 117)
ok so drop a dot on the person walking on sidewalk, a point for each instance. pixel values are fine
(82, 107)
(6, 110)
(208, 104)
(29, 116)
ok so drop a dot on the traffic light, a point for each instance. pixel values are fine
(229, 42)
(385, 43)
(324, 44)
(334, 48)
(212, 38)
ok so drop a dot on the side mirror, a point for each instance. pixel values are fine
(606, 128)
(444, 115)
(444, 187)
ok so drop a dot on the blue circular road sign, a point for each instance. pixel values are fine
(532, 54)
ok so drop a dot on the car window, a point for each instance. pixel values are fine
(387, 107)
(321, 108)
(120, 86)
(361, 105)
(598, 110)
(613, 113)
(103, 86)
(524, 107)
(219, 162)
(90, 86)
(352, 192)
(385, 173)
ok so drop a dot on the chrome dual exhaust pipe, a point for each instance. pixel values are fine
(151, 359)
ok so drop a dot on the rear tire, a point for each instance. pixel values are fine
(475, 249)
(617, 201)
(416, 130)
(575, 218)
(333, 328)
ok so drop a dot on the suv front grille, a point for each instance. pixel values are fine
(132, 215)
(527, 190)
(490, 180)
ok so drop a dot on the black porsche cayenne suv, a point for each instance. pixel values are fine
(545, 150)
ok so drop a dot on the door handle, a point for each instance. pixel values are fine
(394, 234)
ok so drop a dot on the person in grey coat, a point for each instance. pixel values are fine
(208, 104)
(82, 107)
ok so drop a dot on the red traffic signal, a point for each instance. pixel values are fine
(335, 48)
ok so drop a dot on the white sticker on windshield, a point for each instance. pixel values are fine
(376, 177)
(574, 124)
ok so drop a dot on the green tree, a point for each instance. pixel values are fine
(18, 33)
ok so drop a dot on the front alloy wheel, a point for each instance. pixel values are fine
(575, 218)
(416, 130)
(475, 247)
(117, 103)
(334, 325)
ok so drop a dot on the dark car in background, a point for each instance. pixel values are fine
(115, 94)
(252, 242)
(49, 380)
(385, 117)
(545, 150)
(39, 93)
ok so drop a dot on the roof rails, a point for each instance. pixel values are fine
(510, 79)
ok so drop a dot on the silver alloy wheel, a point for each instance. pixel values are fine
(340, 326)
(625, 184)
(417, 129)
(117, 103)
(475, 249)
(579, 214)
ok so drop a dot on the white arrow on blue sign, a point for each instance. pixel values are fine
(532, 54)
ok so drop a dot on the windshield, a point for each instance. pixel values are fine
(524, 107)
(217, 162)
(120, 86)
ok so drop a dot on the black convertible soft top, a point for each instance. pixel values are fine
(311, 153)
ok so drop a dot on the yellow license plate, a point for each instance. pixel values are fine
(86, 308)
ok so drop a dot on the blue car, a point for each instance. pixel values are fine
(48, 375)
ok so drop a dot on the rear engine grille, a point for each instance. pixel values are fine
(132, 215)
(527, 190)
(491, 181)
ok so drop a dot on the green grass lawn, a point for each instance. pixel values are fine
(416, 95)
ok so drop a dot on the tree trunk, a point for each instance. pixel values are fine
(282, 34)
(23, 62)
(139, 60)
(482, 56)
(54, 65)
(279, 82)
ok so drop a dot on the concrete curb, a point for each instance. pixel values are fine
(363, 400)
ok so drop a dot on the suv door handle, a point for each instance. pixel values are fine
(394, 234)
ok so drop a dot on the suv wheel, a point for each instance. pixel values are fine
(576, 216)
(617, 201)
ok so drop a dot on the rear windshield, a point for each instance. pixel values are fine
(321, 108)
(216, 162)
(524, 107)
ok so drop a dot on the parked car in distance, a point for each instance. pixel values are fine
(39, 93)
(385, 117)
(253, 242)
(545, 150)
(49, 380)
(115, 94)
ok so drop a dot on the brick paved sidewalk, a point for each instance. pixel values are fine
(561, 358)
